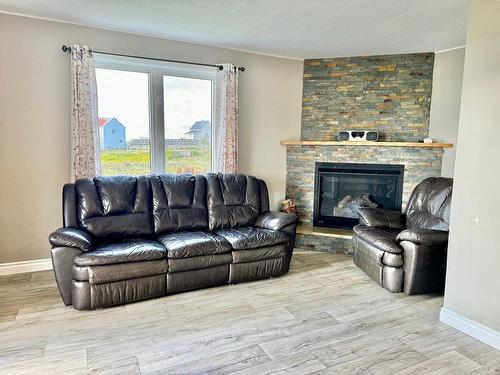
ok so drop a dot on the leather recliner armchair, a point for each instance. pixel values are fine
(127, 238)
(407, 252)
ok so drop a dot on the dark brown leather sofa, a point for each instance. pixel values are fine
(127, 238)
(407, 252)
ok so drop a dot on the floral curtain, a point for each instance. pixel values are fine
(85, 152)
(226, 134)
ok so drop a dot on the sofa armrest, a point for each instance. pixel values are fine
(275, 220)
(382, 218)
(71, 237)
(424, 265)
(429, 237)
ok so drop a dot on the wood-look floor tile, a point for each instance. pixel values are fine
(440, 341)
(71, 362)
(221, 363)
(111, 365)
(324, 316)
(447, 363)
(481, 353)
(388, 361)
(342, 331)
(16, 350)
(294, 365)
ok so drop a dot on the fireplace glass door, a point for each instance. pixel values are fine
(341, 189)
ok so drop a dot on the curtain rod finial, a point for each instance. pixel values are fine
(66, 48)
(220, 67)
(241, 68)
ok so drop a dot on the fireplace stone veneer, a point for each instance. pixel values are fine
(419, 163)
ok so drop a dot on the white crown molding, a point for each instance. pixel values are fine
(470, 327)
(26, 266)
(147, 35)
(450, 49)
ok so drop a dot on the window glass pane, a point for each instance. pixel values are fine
(123, 122)
(188, 128)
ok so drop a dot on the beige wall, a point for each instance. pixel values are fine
(445, 104)
(35, 119)
(473, 275)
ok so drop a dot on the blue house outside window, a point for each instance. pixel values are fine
(113, 134)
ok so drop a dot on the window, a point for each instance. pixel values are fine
(154, 117)
(123, 103)
(188, 126)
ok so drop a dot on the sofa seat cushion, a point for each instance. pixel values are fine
(252, 237)
(197, 263)
(381, 238)
(252, 255)
(125, 251)
(193, 244)
(115, 272)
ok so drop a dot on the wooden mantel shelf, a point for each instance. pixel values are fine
(365, 143)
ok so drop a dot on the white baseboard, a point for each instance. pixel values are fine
(26, 266)
(470, 327)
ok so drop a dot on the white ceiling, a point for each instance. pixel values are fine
(291, 28)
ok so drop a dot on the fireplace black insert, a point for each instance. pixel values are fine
(341, 188)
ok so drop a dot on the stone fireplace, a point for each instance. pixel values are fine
(389, 94)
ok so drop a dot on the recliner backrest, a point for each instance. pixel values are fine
(179, 202)
(114, 206)
(429, 204)
(233, 200)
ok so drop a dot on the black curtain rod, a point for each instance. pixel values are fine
(219, 67)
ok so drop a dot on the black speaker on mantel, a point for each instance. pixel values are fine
(358, 135)
(343, 136)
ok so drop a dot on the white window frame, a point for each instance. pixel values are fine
(156, 70)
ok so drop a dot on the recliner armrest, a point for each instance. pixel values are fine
(423, 236)
(382, 218)
(71, 237)
(275, 220)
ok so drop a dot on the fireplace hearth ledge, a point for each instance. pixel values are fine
(324, 239)
(325, 232)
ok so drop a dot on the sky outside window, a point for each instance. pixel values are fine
(124, 95)
(186, 100)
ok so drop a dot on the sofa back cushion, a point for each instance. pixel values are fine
(179, 202)
(233, 200)
(429, 204)
(114, 206)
